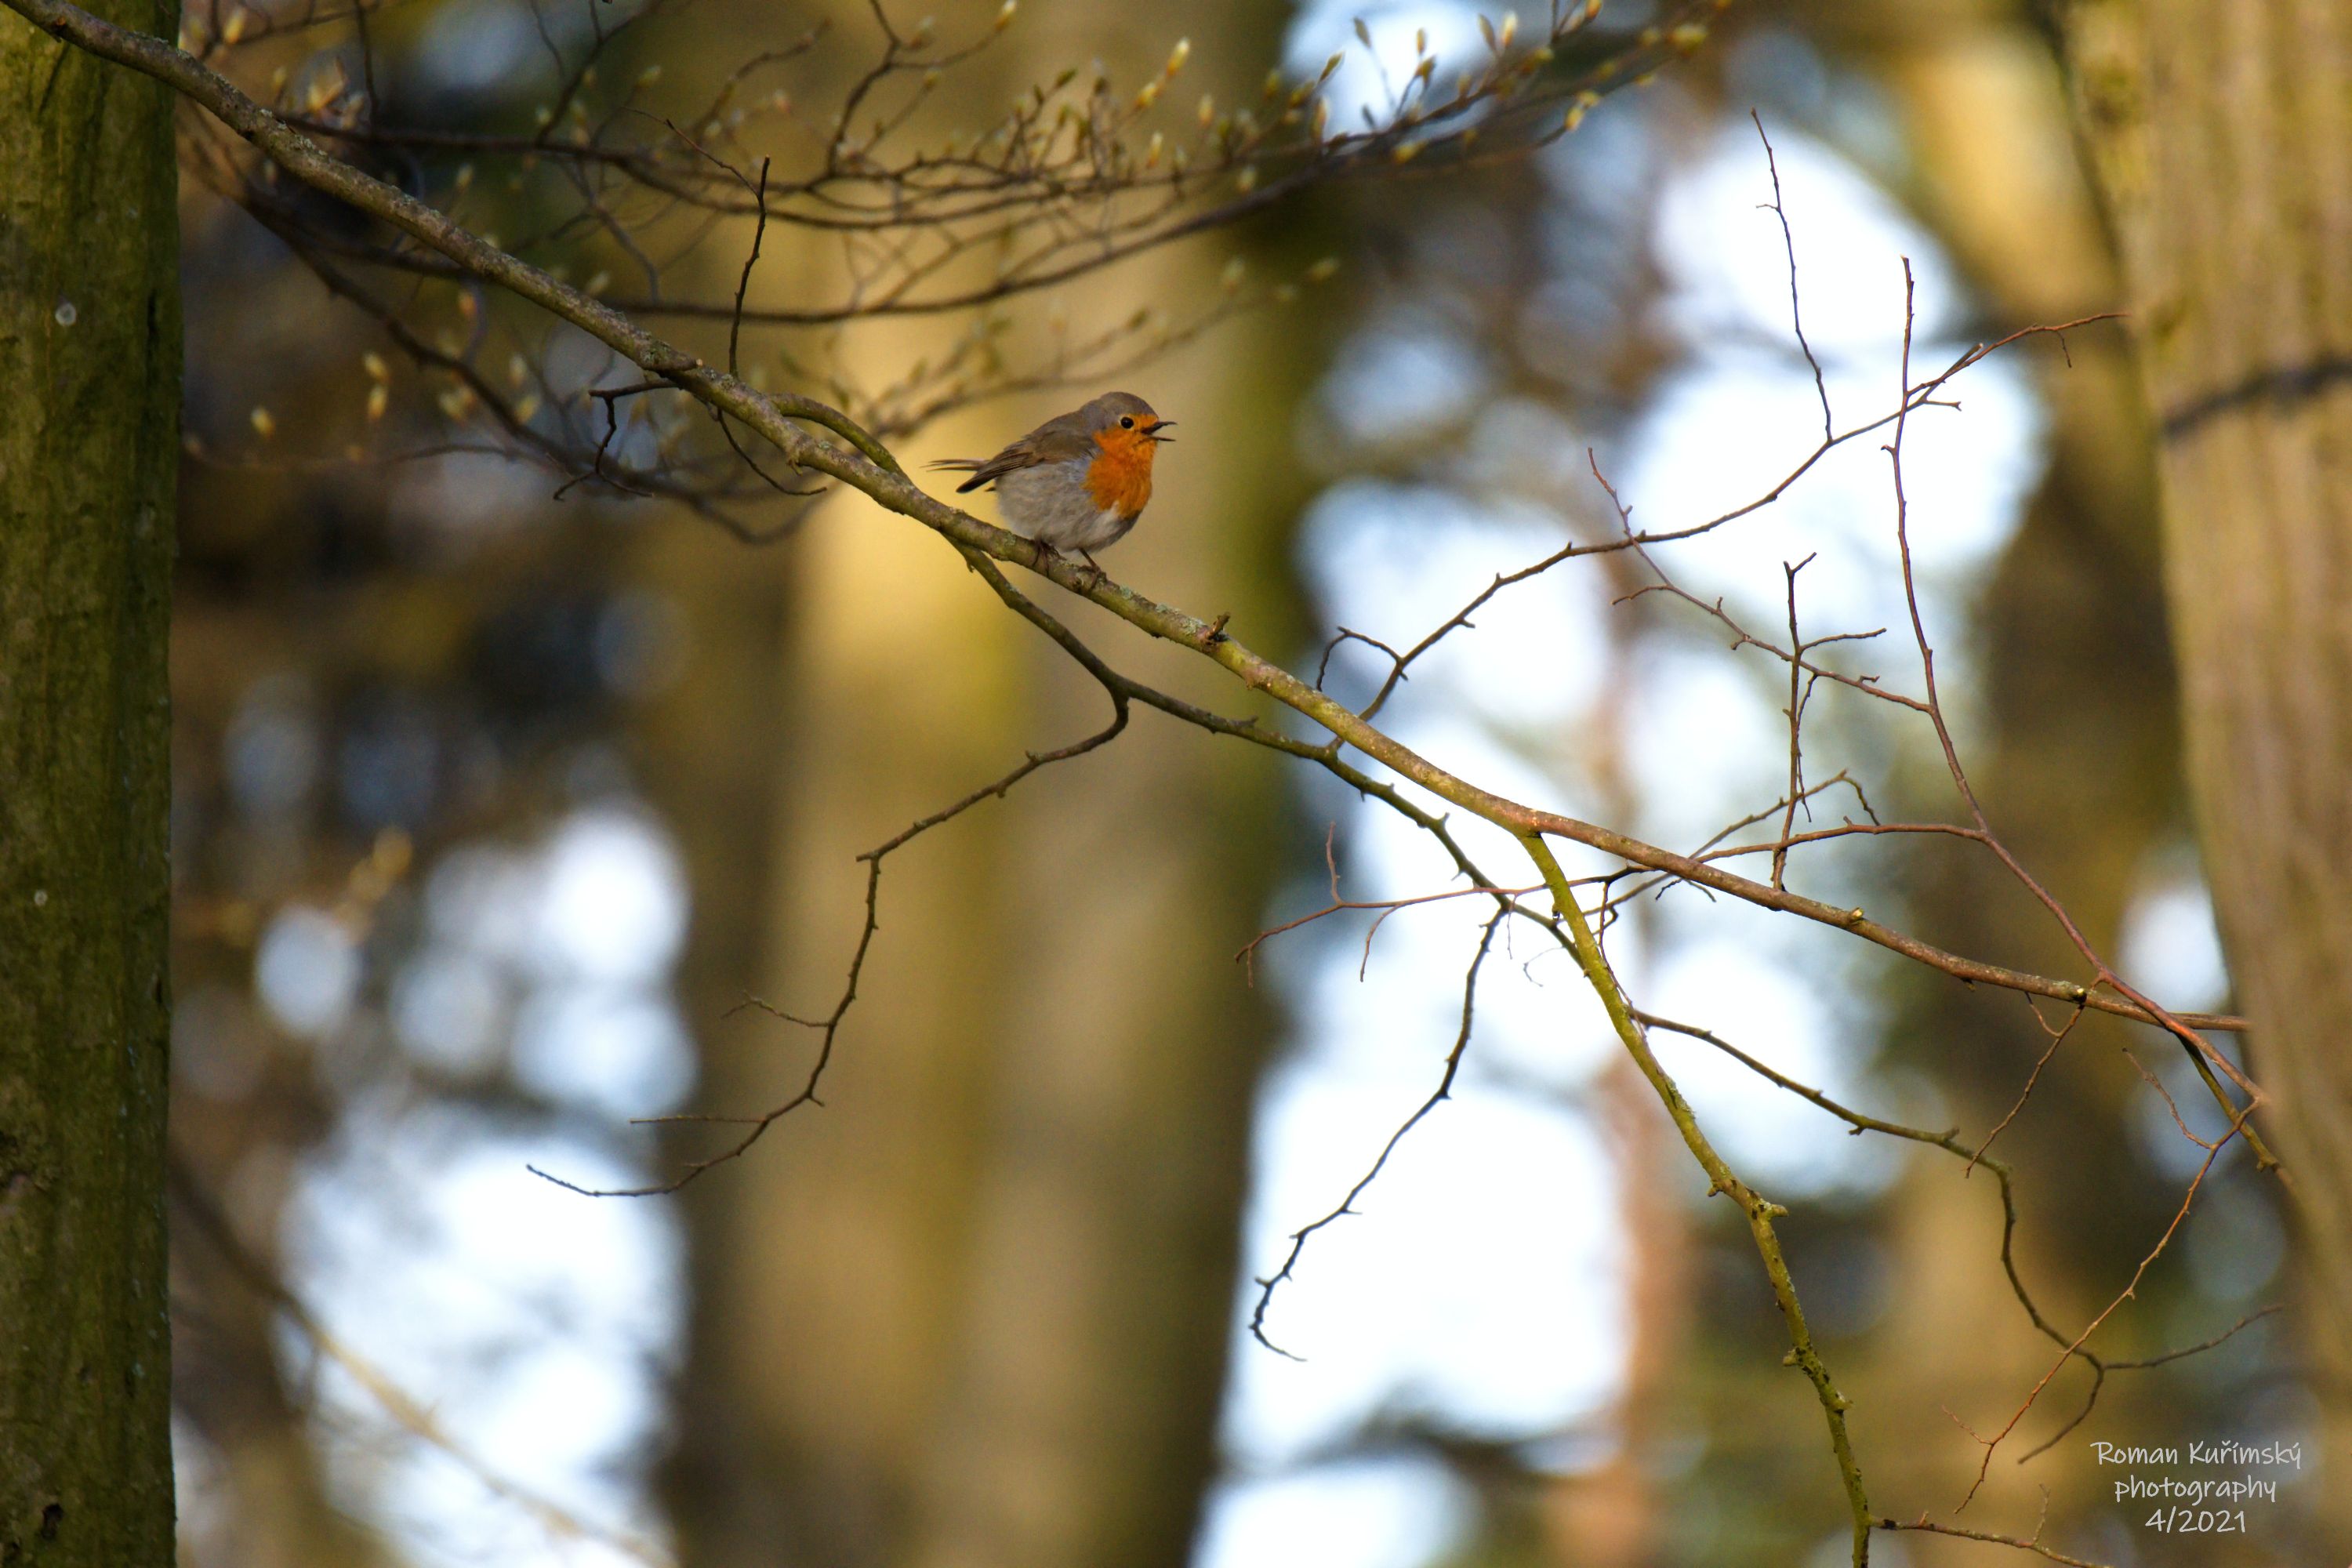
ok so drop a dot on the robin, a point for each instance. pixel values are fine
(1076, 482)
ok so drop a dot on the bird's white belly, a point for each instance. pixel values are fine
(1104, 527)
(1051, 504)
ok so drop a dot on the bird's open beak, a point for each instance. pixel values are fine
(1155, 431)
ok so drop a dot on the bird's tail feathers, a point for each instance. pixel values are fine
(965, 466)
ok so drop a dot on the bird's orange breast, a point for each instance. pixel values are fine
(1120, 478)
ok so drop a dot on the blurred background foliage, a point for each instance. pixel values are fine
(491, 812)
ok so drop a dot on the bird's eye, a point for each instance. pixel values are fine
(1127, 421)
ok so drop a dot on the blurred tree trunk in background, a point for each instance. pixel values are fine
(2075, 762)
(2221, 134)
(90, 356)
(2078, 767)
(270, 1502)
(974, 1310)
(2079, 773)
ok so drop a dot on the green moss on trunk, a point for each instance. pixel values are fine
(89, 382)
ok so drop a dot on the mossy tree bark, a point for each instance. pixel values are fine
(89, 357)
(2222, 132)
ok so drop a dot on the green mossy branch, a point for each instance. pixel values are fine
(1576, 934)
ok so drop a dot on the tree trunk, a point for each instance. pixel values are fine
(2222, 132)
(974, 1310)
(973, 1313)
(89, 359)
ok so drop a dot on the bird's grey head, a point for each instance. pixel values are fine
(1123, 411)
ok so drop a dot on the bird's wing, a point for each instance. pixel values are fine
(1054, 441)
